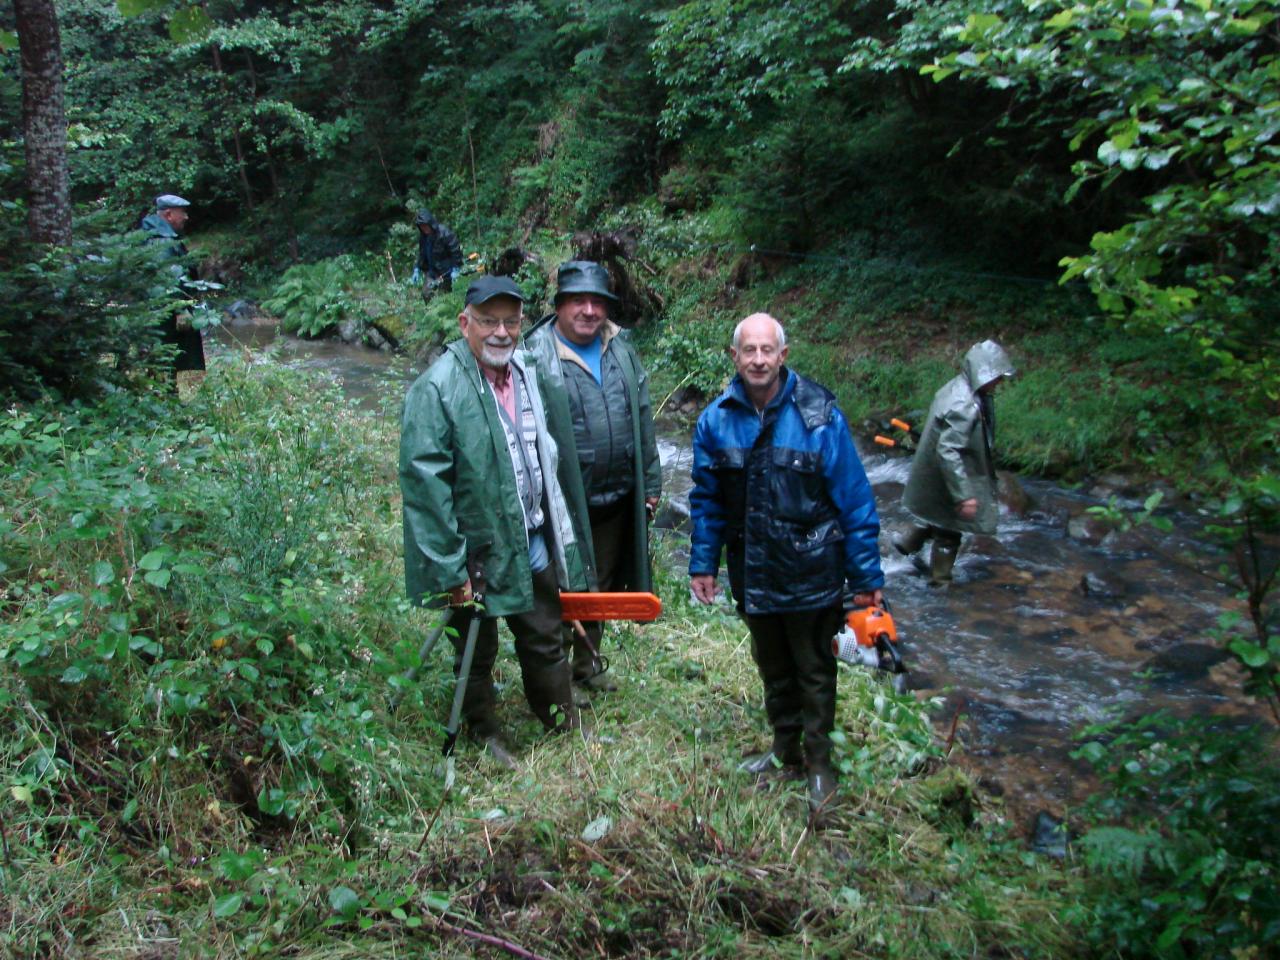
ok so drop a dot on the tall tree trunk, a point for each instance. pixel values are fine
(44, 122)
(241, 164)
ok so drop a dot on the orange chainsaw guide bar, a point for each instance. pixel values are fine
(641, 607)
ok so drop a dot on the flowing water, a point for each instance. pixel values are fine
(1043, 631)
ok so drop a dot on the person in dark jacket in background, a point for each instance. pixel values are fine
(952, 487)
(439, 255)
(166, 226)
(778, 484)
(598, 410)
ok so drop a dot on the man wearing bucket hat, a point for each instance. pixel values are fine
(166, 226)
(952, 487)
(599, 411)
(484, 515)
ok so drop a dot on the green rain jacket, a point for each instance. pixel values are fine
(954, 461)
(459, 489)
(544, 343)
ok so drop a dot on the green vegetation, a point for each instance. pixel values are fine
(1183, 862)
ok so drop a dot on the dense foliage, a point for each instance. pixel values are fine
(1183, 854)
(65, 310)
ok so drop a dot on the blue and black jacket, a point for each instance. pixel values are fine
(785, 493)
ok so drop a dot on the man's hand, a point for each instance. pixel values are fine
(650, 508)
(460, 594)
(703, 586)
(967, 509)
(873, 599)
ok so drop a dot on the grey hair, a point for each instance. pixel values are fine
(777, 328)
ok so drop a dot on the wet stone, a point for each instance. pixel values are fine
(246, 311)
(1111, 485)
(1187, 661)
(349, 330)
(1088, 527)
(1055, 637)
(1097, 587)
(1161, 641)
(1012, 494)
(1049, 836)
(1124, 543)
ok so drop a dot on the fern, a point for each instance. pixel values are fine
(312, 297)
(1119, 851)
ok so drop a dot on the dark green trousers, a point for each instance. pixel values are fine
(793, 654)
(540, 649)
(611, 537)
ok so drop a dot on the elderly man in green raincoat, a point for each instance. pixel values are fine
(484, 514)
(952, 487)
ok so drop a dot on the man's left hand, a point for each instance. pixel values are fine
(873, 599)
(650, 508)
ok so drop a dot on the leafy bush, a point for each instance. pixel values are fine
(212, 583)
(1184, 848)
(312, 298)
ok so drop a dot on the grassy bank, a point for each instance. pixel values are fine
(202, 635)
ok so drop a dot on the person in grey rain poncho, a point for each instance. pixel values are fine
(952, 487)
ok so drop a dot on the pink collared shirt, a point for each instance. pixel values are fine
(503, 390)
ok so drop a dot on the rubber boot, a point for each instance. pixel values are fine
(911, 541)
(941, 561)
(822, 791)
(498, 752)
(784, 754)
(550, 696)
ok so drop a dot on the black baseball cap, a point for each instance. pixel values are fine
(487, 287)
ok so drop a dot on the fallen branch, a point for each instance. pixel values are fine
(512, 948)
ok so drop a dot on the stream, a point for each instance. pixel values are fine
(1050, 625)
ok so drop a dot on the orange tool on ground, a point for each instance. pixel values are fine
(640, 607)
(870, 639)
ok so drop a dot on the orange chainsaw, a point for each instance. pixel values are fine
(640, 607)
(870, 639)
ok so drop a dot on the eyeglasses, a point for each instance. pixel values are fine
(492, 323)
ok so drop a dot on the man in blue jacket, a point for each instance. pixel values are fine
(778, 484)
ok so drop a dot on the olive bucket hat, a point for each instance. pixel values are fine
(583, 276)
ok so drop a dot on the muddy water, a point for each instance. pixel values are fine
(1017, 654)
(373, 378)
